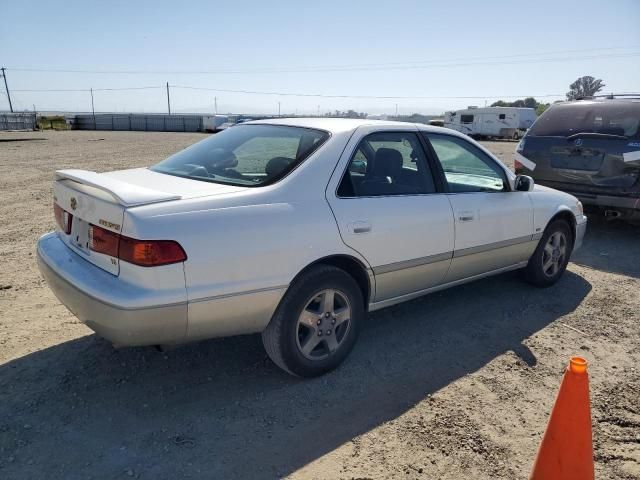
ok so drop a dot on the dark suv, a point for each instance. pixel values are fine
(589, 148)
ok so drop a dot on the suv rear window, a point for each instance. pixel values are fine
(611, 117)
(245, 155)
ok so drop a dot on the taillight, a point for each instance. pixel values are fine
(150, 253)
(63, 218)
(517, 166)
(145, 253)
(103, 241)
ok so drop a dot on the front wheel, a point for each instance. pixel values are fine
(316, 324)
(550, 259)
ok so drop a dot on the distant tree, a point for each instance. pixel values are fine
(528, 102)
(584, 87)
(541, 108)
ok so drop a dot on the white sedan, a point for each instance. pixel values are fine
(295, 228)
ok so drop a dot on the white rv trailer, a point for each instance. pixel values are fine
(497, 122)
(213, 123)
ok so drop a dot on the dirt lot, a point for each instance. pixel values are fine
(458, 384)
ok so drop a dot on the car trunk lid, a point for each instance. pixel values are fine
(100, 199)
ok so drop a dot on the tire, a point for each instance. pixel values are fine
(542, 270)
(304, 311)
(516, 136)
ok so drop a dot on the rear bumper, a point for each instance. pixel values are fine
(104, 303)
(610, 201)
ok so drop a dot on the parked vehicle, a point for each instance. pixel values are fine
(212, 123)
(495, 122)
(591, 149)
(295, 228)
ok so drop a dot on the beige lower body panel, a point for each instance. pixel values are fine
(477, 263)
(399, 282)
(240, 314)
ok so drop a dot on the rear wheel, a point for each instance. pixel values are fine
(550, 259)
(316, 324)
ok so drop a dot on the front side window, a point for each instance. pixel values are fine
(245, 155)
(387, 163)
(466, 168)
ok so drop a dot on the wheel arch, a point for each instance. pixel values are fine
(351, 265)
(568, 216)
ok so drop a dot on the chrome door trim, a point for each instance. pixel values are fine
(410, 296)
(491, 246)
(416, 262)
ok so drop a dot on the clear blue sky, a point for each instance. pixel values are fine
(193, 36)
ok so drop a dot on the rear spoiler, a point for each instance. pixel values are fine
(124, 193)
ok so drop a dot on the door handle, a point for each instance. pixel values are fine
(360, 227)
(466, 216)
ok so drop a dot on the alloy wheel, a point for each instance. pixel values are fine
(554, 254)
(323, 324)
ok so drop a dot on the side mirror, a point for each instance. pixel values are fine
(523, 183)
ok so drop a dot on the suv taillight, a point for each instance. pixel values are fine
(145, 253)
(517, 166)
(63, 218)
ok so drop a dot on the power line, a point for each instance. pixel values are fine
(286, 94)
(423, 64)
(382, 97)
(87, 89)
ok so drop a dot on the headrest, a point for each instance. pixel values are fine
(387, 163)
(277, 165)
(220, 158)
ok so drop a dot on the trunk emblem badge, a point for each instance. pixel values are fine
(74, 203)
(578, 142)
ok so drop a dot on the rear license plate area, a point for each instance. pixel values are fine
(577, 162)
(80, 235)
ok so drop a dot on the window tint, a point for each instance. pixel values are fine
(466, 168)
(247, 155)
(466, 118)
(608, 117)
(389, 163)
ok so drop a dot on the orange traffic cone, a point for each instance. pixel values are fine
(566, 451)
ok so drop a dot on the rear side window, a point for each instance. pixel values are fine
(245, 155)
(605, 117)
(466, 118)
(387, 163)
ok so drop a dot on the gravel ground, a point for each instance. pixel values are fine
(457, 384)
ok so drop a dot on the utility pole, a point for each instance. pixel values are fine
(215, 105)
(396, 110)
(168, 99)
(278, 108)
(318, 110)
(93, 110)
(6, 87)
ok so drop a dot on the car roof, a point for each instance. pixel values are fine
(337, 125)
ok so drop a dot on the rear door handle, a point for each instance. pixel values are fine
(360, 227)
(466, 216)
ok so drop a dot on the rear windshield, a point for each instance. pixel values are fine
(606, 117)
(245, 155)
